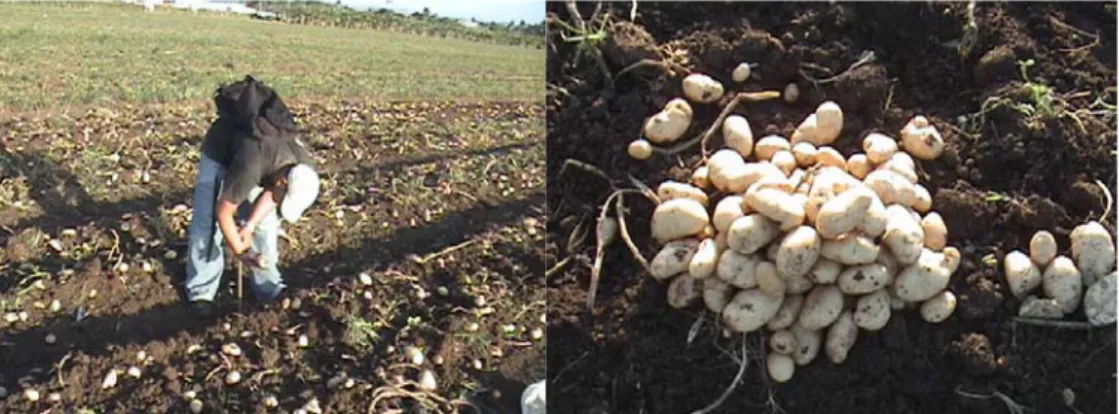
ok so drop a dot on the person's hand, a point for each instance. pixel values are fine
(246, 235)
(252, 259)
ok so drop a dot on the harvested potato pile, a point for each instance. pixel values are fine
(791, 236)
(1088, 278)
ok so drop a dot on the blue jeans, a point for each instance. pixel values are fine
(205, 263)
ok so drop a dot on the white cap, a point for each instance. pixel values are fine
(303, 189)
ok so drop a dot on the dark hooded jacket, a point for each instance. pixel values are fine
(247, 109)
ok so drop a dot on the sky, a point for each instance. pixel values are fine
(531, 11)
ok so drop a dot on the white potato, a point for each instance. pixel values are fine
(829, 122)
(787, 314)
(1022, 275)
(841, 337)
(750, 309)
(797, 285)
(769, 145)
(640, 149)
(808, 343)
(843, 213)
(850, 249)
(737, 135)
(784, 160)
(939, 307)
(891, 187)
(884, 258)
(798, 252)
(1099, 301)
(716, 294)
(936, 232)
(1035, 307)
(678, 218)
(1043, 248)
(1093, 250)
(740, 72)
(721, 241)
(670, 190)
(904, 235)
(775, 204)
(769, 281)
(749, 233)
(922, 201)
(1062, 282)
(858, 166)
(721, 164)
(872, 311)
(879, 147)
(681, 105)
(805, 154)
(702, 88)
(806, 131)
(874, 223)
(829, 157)
(860, 280)
(825, 271)
(683, 291)
(923, 142)
(930, 275)
(699, 178)
(783, 342)
(704, 260)
(667, 126)
(726, 212)
(822, 305)
(673, 258)
(791, 93)
(737, 269)
(780, 367)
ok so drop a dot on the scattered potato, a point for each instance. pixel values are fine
(939, 307)
(780, 367)
(798, 252)
(737, 135)
(784, 160)
(843, 213)
(1022, 275)
(858, 166)
(702, 88)
(879, 147)
(921, 139)
(936, 232)
(678, 218)
(738, 269)
(1043, 248)
(783, 342)
(670, 190)
(640, 149)
(829, 157)
(1093, 250)
(927, 277)
(699, 178)
(829, 122)
(1099, 301)
(741, 72)
(825, 271)
(864, 279)
(769, 281)
(716, 294)
(769, 145)
(749, 233)
(750, 309)
(804, 153)
(808, 343)
(850, 249)
(822, 305)
(673, 258)
(904, 235)
(787, 314)
(668, 125)
(922, 201)
(704, 260)
(841, 337)
(792, 93)
(1062, 282)
(872, 311)
(683, 291)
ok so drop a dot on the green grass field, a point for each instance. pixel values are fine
(60, 55)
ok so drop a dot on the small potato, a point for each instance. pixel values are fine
(806, 131)
(860, 280)
(1062, 281)
(879, 147)
(858, 166)
(678, 218)
(939, 307)
(923, 142)
(841, 337)
(798, 285)
(640, 149)
(904, 235)
(798, 252)
(726, 212)
(769, 145)
(722, 165)
(791, 93)
(738, 269)
(769, 281)
(716, 294)
(850, 249)
(683, 291)
(808, 343)
(740, 72)
(891, 187)
(829, 122)
(776, 205)
(669, 190)
(822, 305)
(708, 232)
(783, 342)
(702, 88)
(825, 271)
(787, 315)
(673, 258)
(843, 213)
(1093, 250)
(872, 311)
(780, 367)
(902, 161)
(929, 276)
(737, 135)
(667, 126)
(784, 160)
(699, 178)
(922, 201)
(739, 177)
(829, 157)
(681, 105)
(750, 309)
(749, 233)
(1022, 275)
(874, 224)
(704, 260)
(936, 232)
(805, 154)
(1043, 248)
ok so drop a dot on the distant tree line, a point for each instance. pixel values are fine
(421, 23)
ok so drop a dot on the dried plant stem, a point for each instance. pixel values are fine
(730, 388)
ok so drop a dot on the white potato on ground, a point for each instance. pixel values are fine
(904, 235)
(829, 157)
(750, 309)
(783, 342)
(699, 178)
(681, 105)
(879, 147)
(678, 218)
(829, 122)
(704, 260)
(775, 204)
(843, 213)
(808, 343)
(921, 139)
(716, 294)
(1062, 281)
(668, 125)
(702, 88)
(737, 135)
(939, 307)
(1093, 250)
(922, 201)
(872, 311)
(841, 337)
(1099, 301)
(891, 187)
(936, 232)
(740, 72)
(749, 233)
(1022, 275)
(671, 190)
(683, 291)
(640, 149)
(738, 269)
(805, 153)
(874, 223)
(1043, 248)
(719, 163)
(791, 93)
(806, 131)
(1043, 308)
(858, 166)
(930, 275)
(850, 249)
(726, 212)
(864, 279)
(780, 367)
(787, 314)
(769, 281)
(769, 145)
(821, 307)
(784, 160)
(825, 271)
(673, 258)
(886, 259)
(798, 252)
